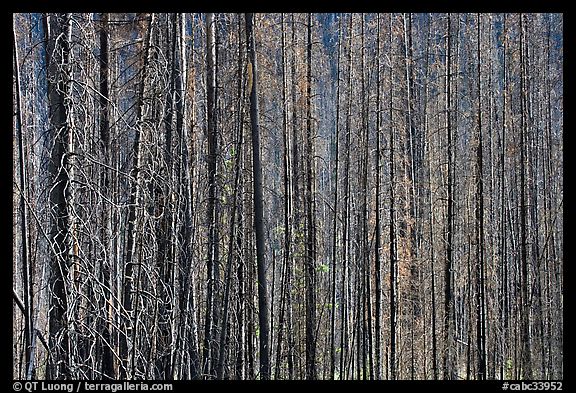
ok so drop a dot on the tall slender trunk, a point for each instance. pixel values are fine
(296, 209)
(335, 221)
(449, 328)
(109, 365)
(310, 277)
(503, 246)
(212, 208)
(367, 340)
(240, 303)
(58, 36)
(346, 217)
(410, 170)
(426, 133)
(165, 231)
(127, 340)
(392, 241)
(480, 301)
(24, 235)
(524, 278)
(378, 240)
(287, 260)
(188, 333)
(263, 317)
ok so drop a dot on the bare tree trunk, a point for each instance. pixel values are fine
(480, 301)
(411, 212)
(525, 302)
(287, 260)
(367, 337)
(212, 208)
(392, 242)
(24, 235)
(109, 365)
(426, 133)
(449, 328)
(263, 317)
(335, 221)
(311, 372)
(346, 219)
(58, 36)
(188, 330)
(505, 304)
(240, 308)
(127, 338)
(294, 200)
(378, 241)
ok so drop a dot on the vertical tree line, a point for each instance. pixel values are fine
(287, 196)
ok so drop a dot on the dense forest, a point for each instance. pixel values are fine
(287, 196)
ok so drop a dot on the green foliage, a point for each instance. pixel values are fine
(228, 164)
(299, 235)
(509, 369)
